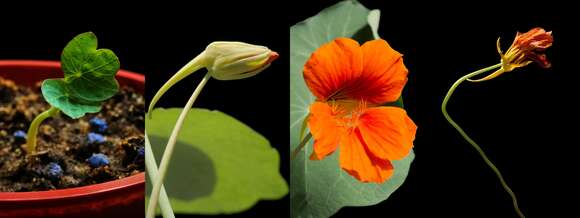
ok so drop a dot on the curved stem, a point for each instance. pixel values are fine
(193, 65)
(33, 129)
(151, 165)
(468, 139)
(170, 146)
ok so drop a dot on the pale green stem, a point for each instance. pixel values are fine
(468, 139)
(304, 140)
(33, 129)
(151, 165)
(193, 65)
(170, 147)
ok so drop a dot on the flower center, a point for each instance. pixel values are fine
(348, 112)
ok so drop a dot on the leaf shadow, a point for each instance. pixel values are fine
(191, 173)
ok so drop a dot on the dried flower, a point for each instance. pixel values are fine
(525, 49)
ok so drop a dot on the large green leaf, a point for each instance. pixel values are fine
(89, 72)
(321, 188)
(220, 165)
(89, 77)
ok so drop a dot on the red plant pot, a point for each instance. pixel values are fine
(120, 198)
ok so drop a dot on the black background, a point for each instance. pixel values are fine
(525, 119)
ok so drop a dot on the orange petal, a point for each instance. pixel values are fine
(384, 74)
(325, 130)
(356, 160)
(387, 132)
(332, 66)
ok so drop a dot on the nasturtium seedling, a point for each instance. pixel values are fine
(89, 79)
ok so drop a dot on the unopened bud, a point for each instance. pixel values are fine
(237, 60)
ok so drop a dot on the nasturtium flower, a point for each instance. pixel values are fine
(351, 83)
(525, 49)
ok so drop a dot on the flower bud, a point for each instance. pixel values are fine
(237, 60)
(224, 61)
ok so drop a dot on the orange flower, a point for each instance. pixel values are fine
(351, 82)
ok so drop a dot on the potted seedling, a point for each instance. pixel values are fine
(76, 149)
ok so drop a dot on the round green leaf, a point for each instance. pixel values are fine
(321, 188)
(88, 72)
(219, 165)
(55, 94)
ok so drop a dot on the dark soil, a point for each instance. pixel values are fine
(64, 141)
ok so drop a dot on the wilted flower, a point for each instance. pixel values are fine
(525, 49)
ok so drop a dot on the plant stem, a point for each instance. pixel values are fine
(301, 146)
(303, 142)
(468, 139)
(193, 65)
(170, 146)
(33, 129)
(151, 165)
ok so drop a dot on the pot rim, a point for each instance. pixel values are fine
(56, 64)
(134, 180)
